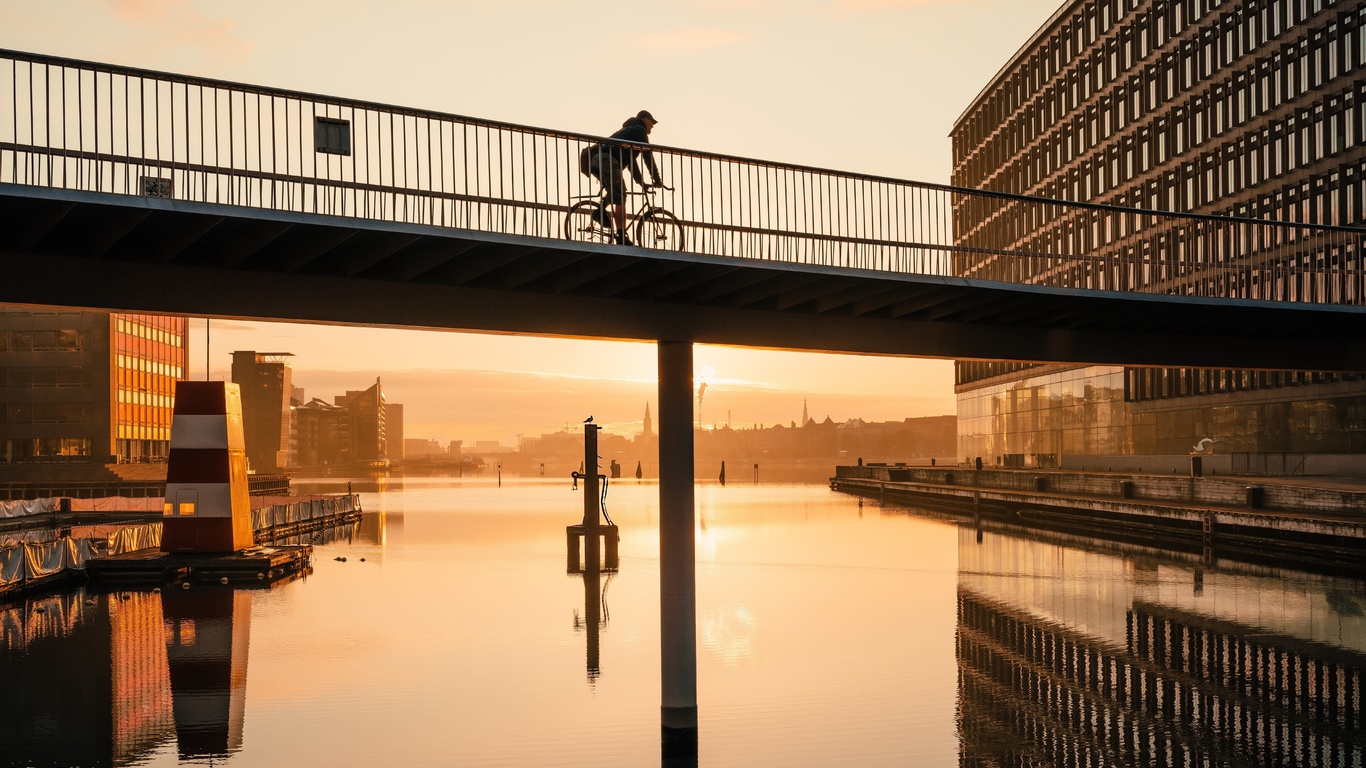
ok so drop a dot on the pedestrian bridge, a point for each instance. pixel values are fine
(135, 190)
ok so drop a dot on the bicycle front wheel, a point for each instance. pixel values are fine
(658, 228)
(582, 223)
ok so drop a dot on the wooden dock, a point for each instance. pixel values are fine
(152, 566)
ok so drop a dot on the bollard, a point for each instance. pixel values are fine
(572, 547)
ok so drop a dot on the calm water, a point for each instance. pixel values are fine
(830, 632)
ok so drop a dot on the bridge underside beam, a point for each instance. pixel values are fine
(132, 286)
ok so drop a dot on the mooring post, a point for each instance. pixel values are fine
(592, 546)
(677, 562)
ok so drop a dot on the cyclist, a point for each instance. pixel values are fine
(607, 161)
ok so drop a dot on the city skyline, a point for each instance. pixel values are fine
(504, 404)
(732, 77)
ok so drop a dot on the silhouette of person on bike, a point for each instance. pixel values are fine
(607, 161)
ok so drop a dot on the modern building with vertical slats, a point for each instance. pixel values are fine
(1250, 108)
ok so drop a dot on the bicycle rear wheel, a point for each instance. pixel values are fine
(659, 229)
(581, 223)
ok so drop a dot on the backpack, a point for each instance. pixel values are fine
(586, 159)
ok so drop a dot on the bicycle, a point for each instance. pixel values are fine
(590, 220)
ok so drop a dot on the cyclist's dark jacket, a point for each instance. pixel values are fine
(624, 156)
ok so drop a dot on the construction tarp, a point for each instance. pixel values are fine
(281, 510)
(22, 561)
(25, 562)
(136, 537)
(118, 504)
(26, 507)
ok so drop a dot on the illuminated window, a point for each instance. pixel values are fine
(168, 509)
(186, 508)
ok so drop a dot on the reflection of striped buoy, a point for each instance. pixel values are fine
(207, 632)
(207, 508)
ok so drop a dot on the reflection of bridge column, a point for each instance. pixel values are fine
(677, 563)
(206, 649)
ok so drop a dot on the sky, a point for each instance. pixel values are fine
(870, 86)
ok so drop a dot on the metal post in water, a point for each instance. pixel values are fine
(677, 559)
(592, 544)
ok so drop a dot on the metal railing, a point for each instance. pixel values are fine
(86, 126)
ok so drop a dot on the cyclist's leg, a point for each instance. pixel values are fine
(608, 173)
(615, 192)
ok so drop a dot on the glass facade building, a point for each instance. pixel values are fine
(88, 386)
(1247, 108)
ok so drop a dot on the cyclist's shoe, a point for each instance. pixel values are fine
(622, 239)
(602, 217)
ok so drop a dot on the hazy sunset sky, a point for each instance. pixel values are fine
(857, 85)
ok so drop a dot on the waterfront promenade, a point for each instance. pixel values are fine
(1316, 522)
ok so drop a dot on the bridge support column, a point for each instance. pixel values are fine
(677, 558)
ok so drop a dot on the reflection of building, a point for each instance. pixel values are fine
(87, 685)
(1068, 657)
(373, 527)
(267, 385)
(87, 386)
(1250, 108)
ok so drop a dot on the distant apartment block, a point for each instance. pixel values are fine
(395, 446)
(267, 386)
(367, 410)
(351, 430)
(419, 447)
(88, 386)
(322, 434)
(1251, 108)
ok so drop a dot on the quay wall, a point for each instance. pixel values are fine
(1314, 529)
(1167, 489)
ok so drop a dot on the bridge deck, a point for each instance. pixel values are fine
(101, 250)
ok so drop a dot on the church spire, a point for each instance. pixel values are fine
(649, 424)
(805, 417)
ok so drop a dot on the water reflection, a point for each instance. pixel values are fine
(110, 680)
(1074, 657)
(85, 681)
(207, 632)
(595, 618)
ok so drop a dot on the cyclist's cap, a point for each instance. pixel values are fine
(644, 114)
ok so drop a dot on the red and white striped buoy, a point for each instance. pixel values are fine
(207, 508)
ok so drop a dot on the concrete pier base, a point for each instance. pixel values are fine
(677, 559)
